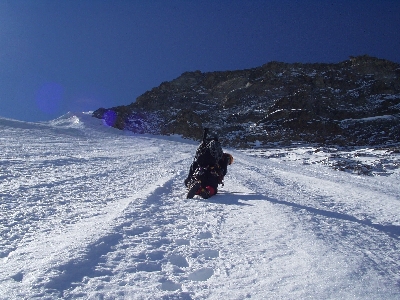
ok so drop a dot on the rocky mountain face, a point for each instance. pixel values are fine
(354, 102)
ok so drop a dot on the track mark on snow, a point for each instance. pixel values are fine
(74, 270)
(171, 286)
(202, 274)
(205, 235)
(18, 277)
(90, 262)
(149, 267)
(137, 230)
(209, 253)
(179, 261)
(182, 242)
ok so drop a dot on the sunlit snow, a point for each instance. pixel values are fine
(90, 212)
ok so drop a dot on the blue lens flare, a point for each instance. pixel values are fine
(110, 117)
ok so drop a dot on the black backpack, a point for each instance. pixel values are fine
(209, 151)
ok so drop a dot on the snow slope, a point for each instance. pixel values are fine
(90, 212)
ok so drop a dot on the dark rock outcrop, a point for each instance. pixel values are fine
(355, 102)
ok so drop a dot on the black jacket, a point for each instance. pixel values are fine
(211, 175)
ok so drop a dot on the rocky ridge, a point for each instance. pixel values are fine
(354, 102)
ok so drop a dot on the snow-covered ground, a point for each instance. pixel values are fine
(90, 212)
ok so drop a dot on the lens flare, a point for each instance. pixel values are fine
(110, 117)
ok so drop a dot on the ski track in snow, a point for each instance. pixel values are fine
(89, 212)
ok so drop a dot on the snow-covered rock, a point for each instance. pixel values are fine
(354, 102)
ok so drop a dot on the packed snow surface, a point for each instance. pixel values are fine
(90, 212)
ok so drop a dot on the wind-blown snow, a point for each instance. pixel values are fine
(90, 212)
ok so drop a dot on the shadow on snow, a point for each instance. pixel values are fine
(236, 198)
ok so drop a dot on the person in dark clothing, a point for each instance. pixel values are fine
(204, 181)
(208, 168)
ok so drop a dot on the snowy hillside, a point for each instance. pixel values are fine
(91, 212)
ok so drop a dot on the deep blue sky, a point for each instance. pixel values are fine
(77, 55)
